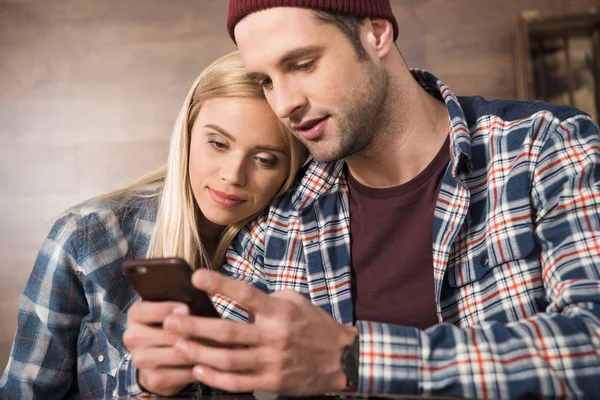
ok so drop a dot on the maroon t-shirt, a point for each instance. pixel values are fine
(392, 235)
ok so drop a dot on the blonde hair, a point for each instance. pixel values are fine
(176, 231)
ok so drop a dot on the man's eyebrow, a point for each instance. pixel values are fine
(256, 76)
(300, 52)
(287, 58)
(258, 147)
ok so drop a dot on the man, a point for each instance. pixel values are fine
(435, 244)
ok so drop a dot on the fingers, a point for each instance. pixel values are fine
(224, 359)
(233, 382)
(143, 336)
(160, 357)
(148, 312)
(161, 368)
(166, 382)
(238, 291)
(217, 330)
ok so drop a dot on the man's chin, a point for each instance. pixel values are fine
(324, 150)
(324, 156)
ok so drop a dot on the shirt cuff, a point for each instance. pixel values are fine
(126, 379)
(388, 358)
(133, 387)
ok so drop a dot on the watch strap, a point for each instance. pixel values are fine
(350, 364)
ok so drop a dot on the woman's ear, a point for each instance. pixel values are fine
(380, 36)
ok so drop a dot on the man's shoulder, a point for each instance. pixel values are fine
(316, 183)
(281, 209)
(476, 107)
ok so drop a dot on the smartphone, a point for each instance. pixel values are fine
(168, 279)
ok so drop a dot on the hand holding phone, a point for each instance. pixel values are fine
(168, 279)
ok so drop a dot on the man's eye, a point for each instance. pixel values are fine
(306, 66)
(266, 83)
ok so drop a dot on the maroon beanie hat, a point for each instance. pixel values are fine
(238, 9)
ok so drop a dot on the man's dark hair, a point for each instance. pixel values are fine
(349, 25)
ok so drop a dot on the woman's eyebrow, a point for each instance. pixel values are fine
(272, 148)
(221, 131)
(257, 147)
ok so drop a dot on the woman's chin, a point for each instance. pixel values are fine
(223, 218)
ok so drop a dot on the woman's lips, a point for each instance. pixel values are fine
(313, 131)
(224, 199)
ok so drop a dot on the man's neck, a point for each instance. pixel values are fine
(416, 127)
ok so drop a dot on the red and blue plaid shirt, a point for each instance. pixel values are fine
(516, 253)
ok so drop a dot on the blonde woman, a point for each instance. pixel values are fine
(229, 157)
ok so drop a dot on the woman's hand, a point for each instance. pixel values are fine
(161, 369)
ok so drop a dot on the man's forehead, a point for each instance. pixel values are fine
(267, 36)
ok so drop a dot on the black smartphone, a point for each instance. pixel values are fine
(168, 279)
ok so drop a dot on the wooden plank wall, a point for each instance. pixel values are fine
(89, 90)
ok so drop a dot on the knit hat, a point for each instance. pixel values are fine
(238, 9)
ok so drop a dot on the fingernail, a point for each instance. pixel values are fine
(172, 323)
(182, 346)
(198, 371)
(203, 278)
(181, 310)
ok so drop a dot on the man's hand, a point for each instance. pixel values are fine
(291, 347)
(161, 369)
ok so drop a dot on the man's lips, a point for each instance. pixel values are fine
(224, 199)
(311, 129)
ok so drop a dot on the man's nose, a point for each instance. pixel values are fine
(286, 99)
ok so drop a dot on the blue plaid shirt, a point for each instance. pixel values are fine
(72, 314)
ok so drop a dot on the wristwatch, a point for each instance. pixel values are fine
(350, 364)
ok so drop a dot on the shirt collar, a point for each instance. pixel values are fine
(320, 177)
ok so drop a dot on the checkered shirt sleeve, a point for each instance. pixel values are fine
(43, 355)
(552, 354)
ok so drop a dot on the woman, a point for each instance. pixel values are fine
(229, 157)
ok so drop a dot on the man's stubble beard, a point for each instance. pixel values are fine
(362, 114)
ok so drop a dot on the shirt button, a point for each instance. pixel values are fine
(101, 358)
(484, 260)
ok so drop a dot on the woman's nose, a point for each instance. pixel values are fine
(233, 171)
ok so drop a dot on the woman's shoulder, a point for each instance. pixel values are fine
(110, 210)
(104, 222)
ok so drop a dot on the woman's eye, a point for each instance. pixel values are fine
(266, 162)
(218, 145)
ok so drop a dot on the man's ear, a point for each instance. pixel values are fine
(380, 36)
